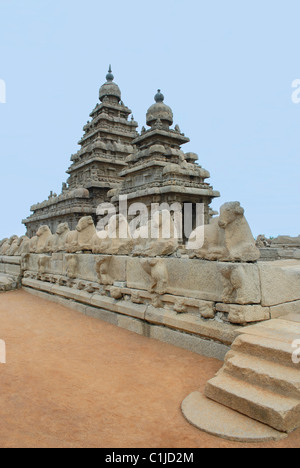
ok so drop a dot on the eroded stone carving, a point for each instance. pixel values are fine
(157, 238)
(71, 267)
(136, 298)
(6, 246)
(180, 306)
(262, 242)
(43, 236)
(207, 311)
(33, 244)
(82, 238)
(115, 239)
(14, 246)
(102, 270)
(43, 263)
(3, 242)
(24, 246)
(57, 242)
(228, 238)
(116, 293)
(233, 279)
(157, 270)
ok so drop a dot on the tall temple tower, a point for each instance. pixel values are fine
(159, 171)
(95, 169)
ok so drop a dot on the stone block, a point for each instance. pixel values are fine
(240, 314)
(190, 323)
(120, 307)
(189, 342)
(203, 280)
(285, 309)
(280, 282)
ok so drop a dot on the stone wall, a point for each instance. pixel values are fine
(10, 273)
(196, 304)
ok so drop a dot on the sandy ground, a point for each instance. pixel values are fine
(74, 381)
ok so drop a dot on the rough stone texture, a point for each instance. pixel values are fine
(107, 313)
(10, 273)
(280, 282)
(202, 280)
(220, 332)
(216, 419)
(283, 247)
(285, 309)
(43, 238)
(259, 377)
(158, 171)
(189, 342)
(286, 240)
(244, 314)
(227, 238)
(7, 283)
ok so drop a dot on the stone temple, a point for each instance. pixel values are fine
(212, 294)
(115, 160)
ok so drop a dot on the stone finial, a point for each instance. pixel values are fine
(159, 97)
(110, 76)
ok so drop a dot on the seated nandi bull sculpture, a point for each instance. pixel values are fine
(82, 238)
(57, 241)
(115, 239)
(43, 236)
(227, 238)
(158, 238)
(7, 244)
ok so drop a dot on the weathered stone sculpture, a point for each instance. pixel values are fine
(157, 270)
(82, 238)
(71, 267)
(239, 240)
(2, 244)
(24, 246)
(7, 245)
(14, 247)
(86, 231)
(208, 242)
(102, 270)
(44, 235)
(33, 244)
(262, 242)
(158, 237)
(43, 263)
(115, 239)
(227, 238)
(57, 242)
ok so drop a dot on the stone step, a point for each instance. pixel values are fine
(277, 411)
(266, 348)
(276, 329)
(266, 374)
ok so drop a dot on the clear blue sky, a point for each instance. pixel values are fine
(225, 67)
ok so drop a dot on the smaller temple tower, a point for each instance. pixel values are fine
(159, 171)
(95, 169)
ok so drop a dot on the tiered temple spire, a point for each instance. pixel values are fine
(96, 167)
(159, 171)
(114, 160)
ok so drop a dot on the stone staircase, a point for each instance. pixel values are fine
(259, 378)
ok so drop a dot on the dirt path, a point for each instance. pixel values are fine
(74, 381)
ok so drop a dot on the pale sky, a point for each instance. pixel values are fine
(226, 69)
